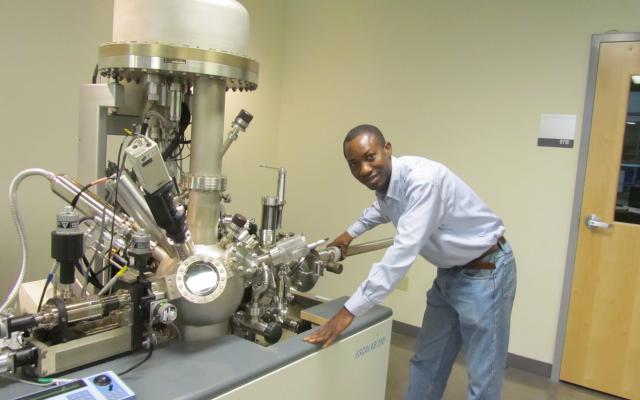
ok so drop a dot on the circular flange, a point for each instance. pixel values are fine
(132, 60)
(206, 183)
(201, 279)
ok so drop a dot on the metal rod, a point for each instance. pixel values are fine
(369, 246)
(282, 179)
(88, 203)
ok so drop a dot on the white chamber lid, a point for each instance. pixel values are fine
(220, 25)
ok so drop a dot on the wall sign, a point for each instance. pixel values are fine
(557, 130)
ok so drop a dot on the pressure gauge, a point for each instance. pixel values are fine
(201, 279)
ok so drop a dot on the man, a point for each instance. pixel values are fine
(439, 217)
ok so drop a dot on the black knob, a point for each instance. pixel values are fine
(253, 228)
(239, 220)
(102, 380)
(273, 332)
(303, 326)
(245, 116)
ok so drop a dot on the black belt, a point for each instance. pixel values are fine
(478, 263)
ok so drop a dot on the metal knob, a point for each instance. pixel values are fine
(334, 267)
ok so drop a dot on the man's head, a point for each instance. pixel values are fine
(368, 156)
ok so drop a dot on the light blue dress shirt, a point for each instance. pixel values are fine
(436, 215)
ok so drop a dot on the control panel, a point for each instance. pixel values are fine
(103, 386)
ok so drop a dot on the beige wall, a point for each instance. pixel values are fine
(50, 48)
(462, 82)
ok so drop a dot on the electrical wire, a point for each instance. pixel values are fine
(88, 274)
(94, 77)
(115, 197)
(28, 382)
(17, 220)
(40, 381)
(149, 354)
(50, 275)
(112, 281)
(99, 243)
(84, 189)
(184, 157)
(177, 330)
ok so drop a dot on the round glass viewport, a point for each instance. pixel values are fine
(201, 279)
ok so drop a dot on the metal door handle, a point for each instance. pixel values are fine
(593, 222)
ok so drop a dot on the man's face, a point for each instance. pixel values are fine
(369, 161)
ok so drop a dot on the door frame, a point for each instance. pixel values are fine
(572, 246)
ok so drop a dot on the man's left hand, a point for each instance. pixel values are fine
(328, 332)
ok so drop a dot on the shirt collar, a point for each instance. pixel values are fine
(393, 190)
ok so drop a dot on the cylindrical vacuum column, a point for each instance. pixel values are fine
(206, 159)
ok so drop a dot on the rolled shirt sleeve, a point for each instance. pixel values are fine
(423, 214)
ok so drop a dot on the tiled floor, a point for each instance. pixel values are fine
(518, 385)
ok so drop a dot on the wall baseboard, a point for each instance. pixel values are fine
(513, 360)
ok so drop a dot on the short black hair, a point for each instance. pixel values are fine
(364, 128)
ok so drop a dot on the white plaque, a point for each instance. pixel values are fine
(557, 130)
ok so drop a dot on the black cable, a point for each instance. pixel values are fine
(44, 290)
(115, 197)
(92, 278)
(151, 346)
(141, 362)
(94, 77)
(185, 120)
(178, 140)
(98, 272)
(168, 153)
(93, 274)
(77, 196)
(175, 185)
(185, 157)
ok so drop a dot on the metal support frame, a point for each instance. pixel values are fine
(95, 100)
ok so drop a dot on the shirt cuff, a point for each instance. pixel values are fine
(357, 229)
(358, 304)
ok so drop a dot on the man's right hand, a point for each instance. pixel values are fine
(342, 242)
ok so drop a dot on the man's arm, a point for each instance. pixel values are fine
(423, 215)
(342, 242)
(371, 217)
(328, 332)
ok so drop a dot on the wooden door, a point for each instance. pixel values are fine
(602, 343)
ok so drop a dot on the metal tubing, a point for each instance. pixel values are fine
(88, 203)
(91, 205)
(282, 178)
(83, 310)
(6, 361)
(233, 135)
(94, 308)
(186, 249)
(369, 246)
(206, 157)
(175, 102)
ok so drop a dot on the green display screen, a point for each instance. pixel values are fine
(55, 391)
